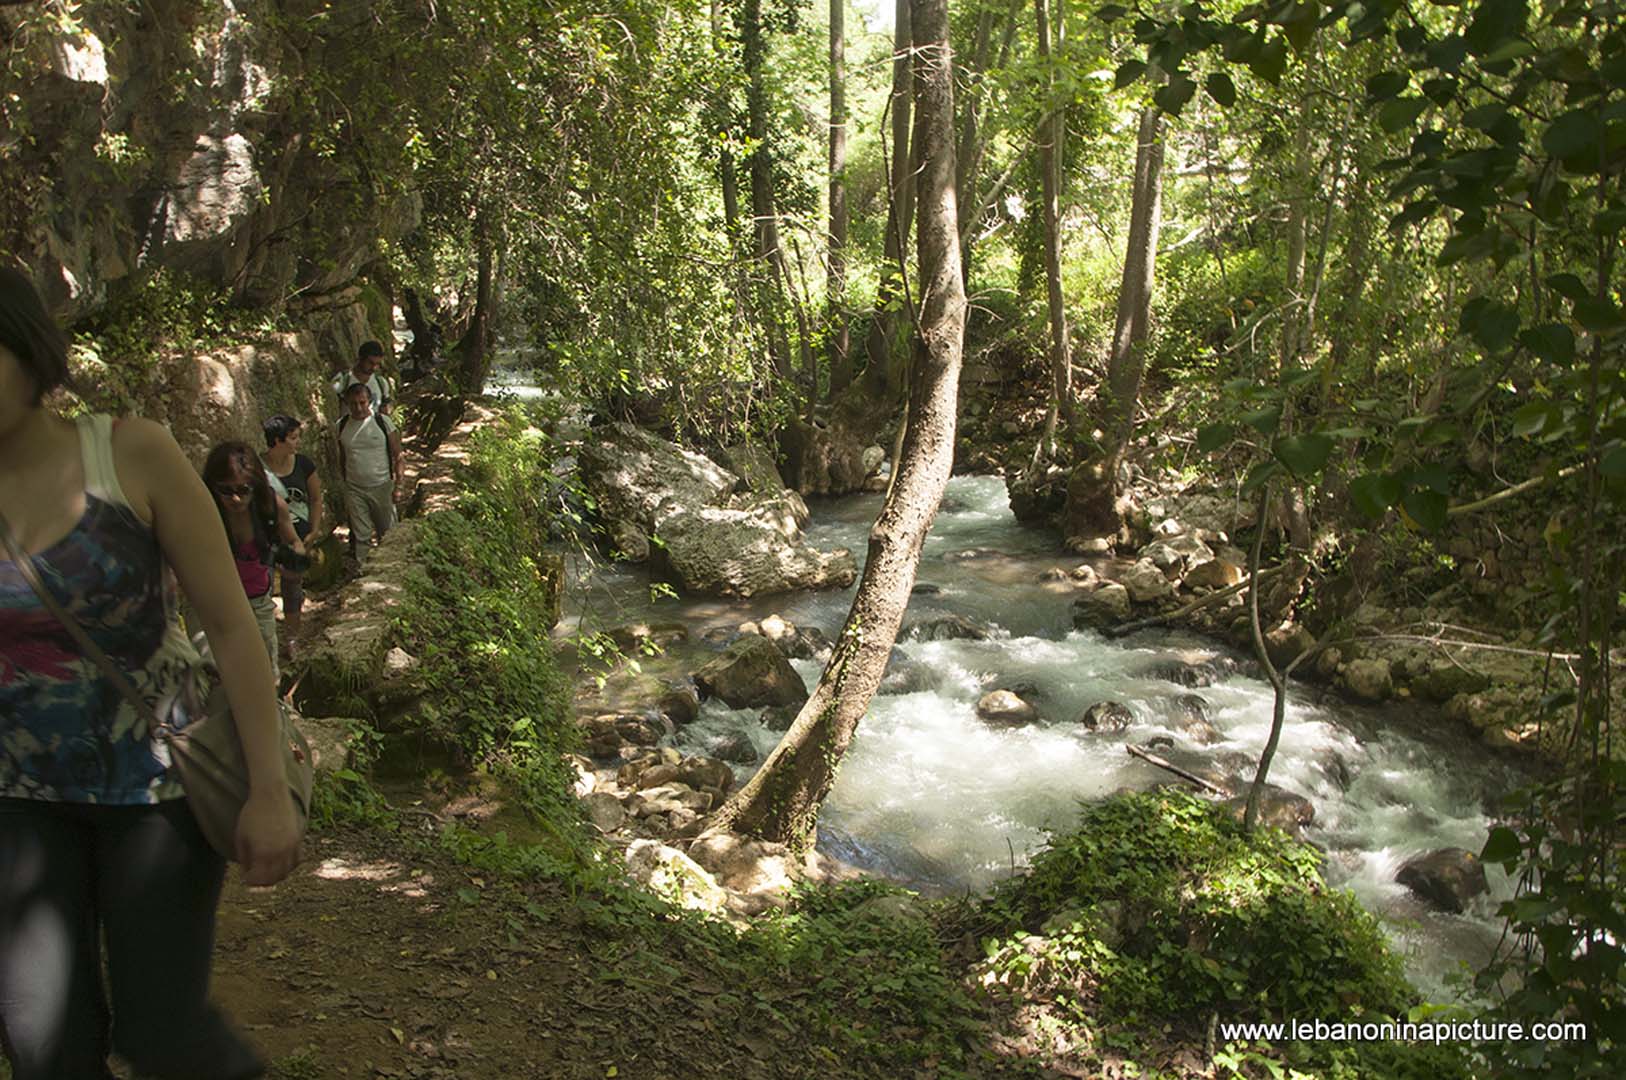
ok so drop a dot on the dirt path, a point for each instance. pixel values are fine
(384, 959)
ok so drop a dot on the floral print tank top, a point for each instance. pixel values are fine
(66, 735)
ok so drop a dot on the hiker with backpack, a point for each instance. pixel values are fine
(370, 463)
(365, 373)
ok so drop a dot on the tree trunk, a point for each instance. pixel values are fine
(880, 376)
(763, 210)
(841, 365)
(1051, 133)
(781, 802)
(473, 349)
(968, 156)
(1092, 489)
(728, 171)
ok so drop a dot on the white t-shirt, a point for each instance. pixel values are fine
(365, 445)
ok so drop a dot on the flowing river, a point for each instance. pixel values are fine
(934, 798)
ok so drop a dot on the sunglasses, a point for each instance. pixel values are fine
(241, 491)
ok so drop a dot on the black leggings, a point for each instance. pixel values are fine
(144, 877)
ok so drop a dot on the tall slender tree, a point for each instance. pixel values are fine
(1052, 132)
(880, 374)
(840, 339)
(781, 802)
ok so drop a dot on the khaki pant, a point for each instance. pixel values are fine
(265, 617)
(372, 511)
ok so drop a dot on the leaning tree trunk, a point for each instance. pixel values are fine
(781, 802)
(1052, 131)
(841, 363)
(1092, 489)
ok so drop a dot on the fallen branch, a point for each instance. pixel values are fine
(1508, 493)
(1152, 759)
(1124, 629)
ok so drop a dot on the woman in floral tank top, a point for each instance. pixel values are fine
(96, 841)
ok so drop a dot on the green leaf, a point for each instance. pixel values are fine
(1490, 322)
(1502, 846)
(1172, 96)
(1568, 286)
(1579, 131)
(1413, 213)
(1384, 86)
(1613, 464)
(1304, 455)
(1271, 61)
(1128, 72)
(1111, 12)
(1597, 315)
(1553, 342)
(1433, 478)
(1259, 475)
(1264, 421)
(1374, 493)
(1495, 22)
(1427, 508)
(1214, 436)
(1221, 89)
(1401, 113)
(1531, 419)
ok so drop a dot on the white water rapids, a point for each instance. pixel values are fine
(931, 796)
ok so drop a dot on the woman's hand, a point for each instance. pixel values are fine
(267, 837)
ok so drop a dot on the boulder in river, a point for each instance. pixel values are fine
(722, 551)
(634, 477)
(1105, 606)
(737, 748)
(1002, 708)
(1146, 582)
(945, 628)
(1107, 716)
(1278, 808)
(751, 673)
(796, 642)
(1184, 672)
(1189, 714)
(1369, 680)
(672, 874)
(906, 675)
(1447, 878)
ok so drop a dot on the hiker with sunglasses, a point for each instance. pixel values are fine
(256, 520)
(102, 865)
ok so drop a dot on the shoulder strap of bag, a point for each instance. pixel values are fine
(121, 682)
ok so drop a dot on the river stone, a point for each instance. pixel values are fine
(779, 717)
(669, 873)
(604, 811)
(1214, 573)
(1106, 606)
(925, 588)
(1447, 878)
(906, 675)
(1002, 708)
(1107, 716)
(736, 747)
(1176, 552)
(633, 637)
(604, 735)
(665, 798)
(796, 642)
(752, 867)
(946, 628)
(1145, 582)
(751, 673)
(1189, 714)
(1369, 680)
(706, 774)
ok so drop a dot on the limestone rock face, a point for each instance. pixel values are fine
(751, 673)
(1447, 878)
(752, 867)
(754, 465)
(733, 552)
(634, 476)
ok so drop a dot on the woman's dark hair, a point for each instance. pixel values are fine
(278, 428)
(262, 504)
(28, 330)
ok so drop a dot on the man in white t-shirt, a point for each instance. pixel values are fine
(370, 462)
(365, 373)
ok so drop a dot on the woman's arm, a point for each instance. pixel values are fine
(163, 488)
(285, 526)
